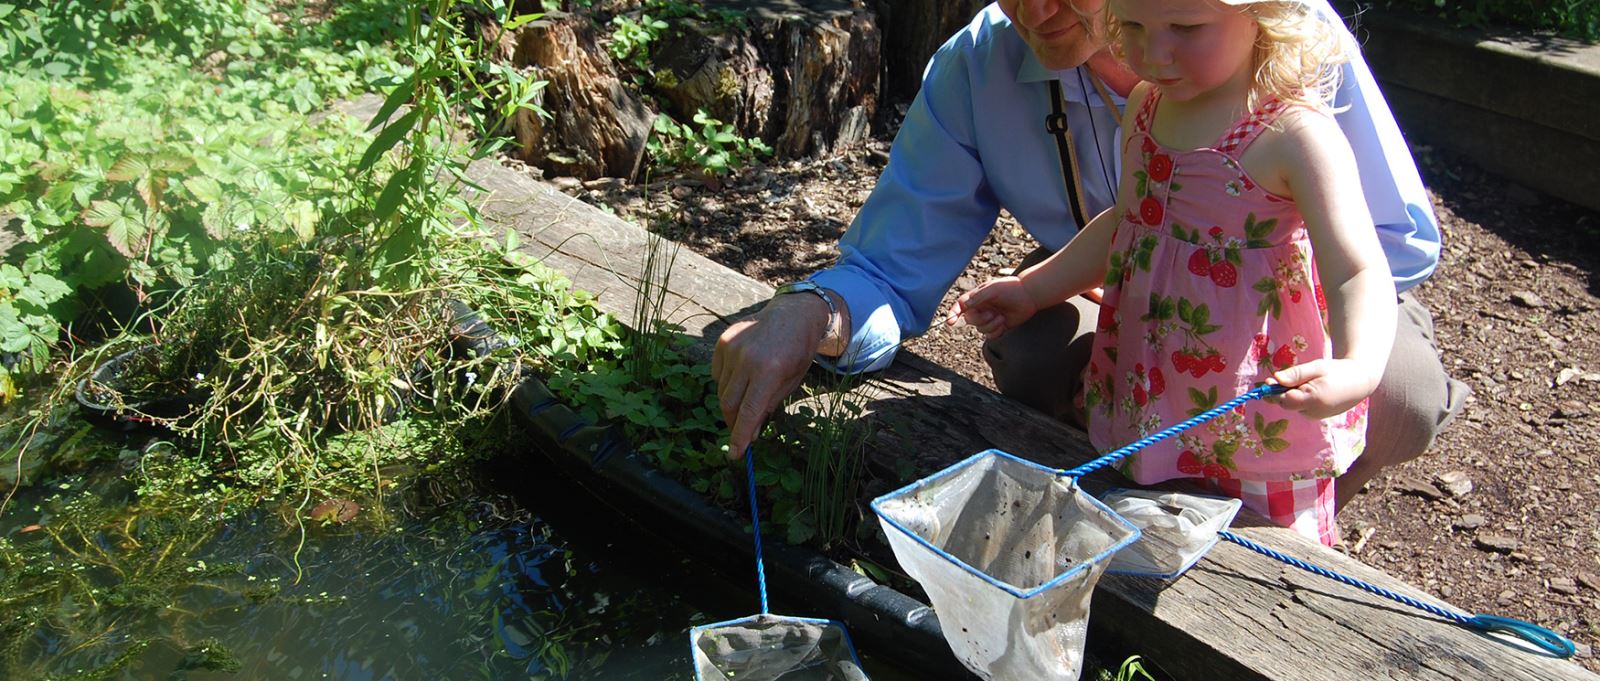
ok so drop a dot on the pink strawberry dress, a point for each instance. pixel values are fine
(1211, 288)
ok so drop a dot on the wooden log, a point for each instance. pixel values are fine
(1236, 615)
(598, 126)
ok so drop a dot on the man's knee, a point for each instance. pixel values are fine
(1416, 398)
(1040, 363)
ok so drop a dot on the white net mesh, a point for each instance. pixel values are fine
(773, 648)
(1176, 529)
(1030, 544)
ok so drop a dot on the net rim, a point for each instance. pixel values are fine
(1024, 594)
(696, 632)
(1233, 512)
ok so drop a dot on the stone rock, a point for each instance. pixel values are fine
(1589, 580)
(567, 184)
(1496, 543)
(1416, 486)
(1564, 585)
(1470, 521)
(1456, 483)
(1527, 299)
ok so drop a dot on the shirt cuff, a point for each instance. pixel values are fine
(874, 331)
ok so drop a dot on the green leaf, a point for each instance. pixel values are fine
(1275, 428)
(204, 189)
(302, 218)
(397, 97)
(127, 168)
(124, 224)
(517, 22)
(386, 140)
(393, 192)
(1275, 444)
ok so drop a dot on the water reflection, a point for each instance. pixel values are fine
(461, 585)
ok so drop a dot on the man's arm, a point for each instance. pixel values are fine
(927, 216)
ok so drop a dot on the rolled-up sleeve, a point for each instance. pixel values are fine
(923, 222)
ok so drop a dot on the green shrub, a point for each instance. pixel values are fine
(1578, 19)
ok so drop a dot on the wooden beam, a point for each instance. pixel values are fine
(1236, 615)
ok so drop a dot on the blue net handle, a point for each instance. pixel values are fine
(755, 523)
(1260, 391)
(1545, 639)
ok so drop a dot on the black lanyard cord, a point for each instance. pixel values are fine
(1056, 124)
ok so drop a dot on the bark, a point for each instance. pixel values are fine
(804, 81)
(598, 126)
(913, 30)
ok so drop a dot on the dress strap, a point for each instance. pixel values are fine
(1245, 131)
(1141, 123)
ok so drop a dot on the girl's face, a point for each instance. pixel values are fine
(1056, 30)
(1188, 48)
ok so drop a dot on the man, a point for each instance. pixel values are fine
(1020, 110)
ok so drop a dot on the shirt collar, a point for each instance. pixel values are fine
(1073, 90)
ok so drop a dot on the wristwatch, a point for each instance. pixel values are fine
(834, 331)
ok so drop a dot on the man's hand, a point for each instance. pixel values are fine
(993, 308)
(760, 361)
(1326, 387)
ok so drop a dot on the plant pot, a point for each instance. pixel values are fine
(106, 397)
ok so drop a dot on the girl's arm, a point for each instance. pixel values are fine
(1003, 303)
(1320, 171)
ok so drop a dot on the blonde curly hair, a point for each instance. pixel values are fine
(1297, 55)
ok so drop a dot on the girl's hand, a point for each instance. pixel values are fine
(1326, 387)
(995, 307)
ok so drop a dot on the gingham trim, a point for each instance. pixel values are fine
(1305, 506)
(1245, 131)
(1141, 123)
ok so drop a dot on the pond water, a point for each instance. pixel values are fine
(456, 578)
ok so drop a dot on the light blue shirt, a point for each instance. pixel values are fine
(974, 142)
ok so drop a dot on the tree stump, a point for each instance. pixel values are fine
(598, 126)
(913, 30)
(803, 79)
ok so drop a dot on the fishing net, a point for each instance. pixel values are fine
(773, 648)
(1009, 552)
(768, 647)
(1176, 529)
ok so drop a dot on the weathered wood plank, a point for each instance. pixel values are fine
(1237, 615)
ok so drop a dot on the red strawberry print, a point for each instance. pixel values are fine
(1284, 357)
(1160, 167)
(1322, 302)
(1215, 232)
(1248, 184)
(1216, 362)
(1199, 368)
(1215, 470)
(1181, 361)
(1200, 263)
(1224, 274)
(1139, 396)
(1259, 346)
(1151, 211)
(1149, 146)
(1108, 314)
(1158, 382)
(1294, 296)
(1188, 463)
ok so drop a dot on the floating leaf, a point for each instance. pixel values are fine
(339, 511)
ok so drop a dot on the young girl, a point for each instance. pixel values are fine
(1240, 251)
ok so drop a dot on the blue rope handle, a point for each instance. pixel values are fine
(1543, 638)
(1260, 391)
(755, 522)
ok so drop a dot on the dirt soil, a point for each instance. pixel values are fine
(1501, 516)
